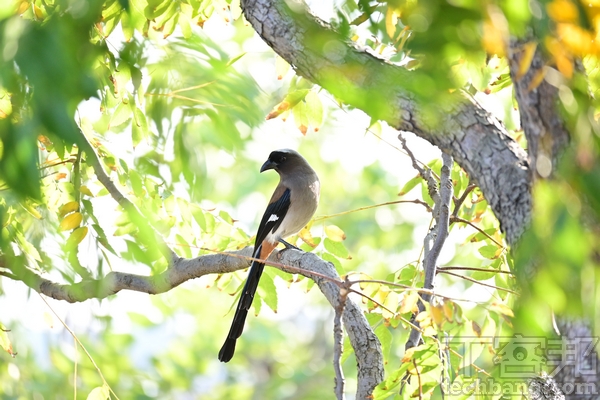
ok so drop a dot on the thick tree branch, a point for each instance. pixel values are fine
(463, 129)
(338, 347)
(366, 345)
(538, 99)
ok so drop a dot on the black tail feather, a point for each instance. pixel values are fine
(244, 304)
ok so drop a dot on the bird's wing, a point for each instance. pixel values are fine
(274, 214)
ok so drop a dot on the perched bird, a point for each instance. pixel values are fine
(291, 207)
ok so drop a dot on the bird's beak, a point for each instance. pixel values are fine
(268, 165)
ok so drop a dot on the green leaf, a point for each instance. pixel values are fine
(301, 117)
(125, 229)
(314, 110)
(99, 393)
(121, 115)
(198, 214)
(491, 251)
(268, 292)
(5, 341)
(139, 128)
(136, 183)
(407, 274)
(336, 248)
(385, 337)
(234, 59)
(102, 239)
(408, 186)
(76, 237)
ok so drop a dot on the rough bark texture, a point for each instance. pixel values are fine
(543, 127)
(547, 137)
(467, 132)
(579, 375)
(369, 357)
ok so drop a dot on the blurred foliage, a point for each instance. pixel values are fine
(174, 114)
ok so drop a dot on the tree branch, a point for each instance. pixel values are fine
(464, 130)
(145, 228)
(338, 346)
(438, 235)
(366, 345)
(542, 124)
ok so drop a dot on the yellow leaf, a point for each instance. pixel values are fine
(5, 341)
(48, 319)
(409, 302)
(562, 11)
(32, 210)
(45, 141)
(334, 233)
(448, 311)
(85, 190)
(307, 237)
(495, 32)
(39, 14)
(391, 20)
(281, 67)
(68, 208)
(476, 328)
(391, 304)
(77, 236)
(71, 221)
(382, 294)
(23, 7)
(537, 79)
(99, 393)
(502, 309)
(408, 355)
(437, 314)
(526, 58)
(578, 40)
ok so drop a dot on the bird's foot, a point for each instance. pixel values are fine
(289, 245)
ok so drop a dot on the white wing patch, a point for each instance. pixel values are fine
(273, 218)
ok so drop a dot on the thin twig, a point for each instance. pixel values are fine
(426, 172)
(80, 345)
(495, 271)
(478, 282)
(458, 203)
(415, 201)
(77, 176)
(75, 369)
(69, 160)
(418, 379)
(464, 221)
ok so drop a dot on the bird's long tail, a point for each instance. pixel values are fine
(246, 298)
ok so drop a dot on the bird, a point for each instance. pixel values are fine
(291, 207)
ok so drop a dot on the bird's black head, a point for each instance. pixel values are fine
(281, 160)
